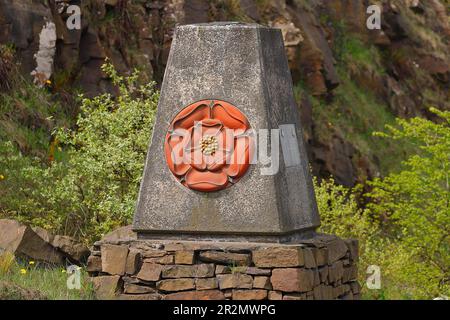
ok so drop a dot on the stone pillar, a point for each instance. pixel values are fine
(241, 68)
(214, 229)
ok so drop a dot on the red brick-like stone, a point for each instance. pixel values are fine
(184, 271)
(133, 262)
(176, 284)
(184, 257)
(310, 261)
(132, 288)
(294, 296)
(147, 296)
(336, 272)
(323, 274)
(221, 269)
(153, 253)
(228, 258)
(273, 257)
(337, 249)
(292, 280)
(114, 259)
(341, 290)
(235, 280)
(350, 273)
(150, 272)
(196, 295)
(94, 264)
(105, 287)
(323, 292)
(262, 282)
(257, 271)
(167, 259)
(255, 294)
(206, 283)
(352, 245)
(320, 256)
(275, 295)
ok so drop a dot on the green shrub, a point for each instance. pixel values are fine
(405, 227)
(414, 205)
(92, 185)
(341, 215)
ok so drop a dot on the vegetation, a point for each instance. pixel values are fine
(90, 185)
(21, 280)
(27, 113)
(405, 227)
(414, 205)
(84, 183)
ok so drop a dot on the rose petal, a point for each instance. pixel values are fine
(174, 152)
(231, 117)
(225, 139)
(199, 160)
(195, 155)
(187, 117)
(240, 160)
(211, 122)
(205, 180)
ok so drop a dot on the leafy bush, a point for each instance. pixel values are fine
(405, 227)
(341, 215)
(414, 205)
(92, 185)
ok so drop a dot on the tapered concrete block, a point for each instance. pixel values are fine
(243, 65)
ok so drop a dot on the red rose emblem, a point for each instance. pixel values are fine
(208, 145)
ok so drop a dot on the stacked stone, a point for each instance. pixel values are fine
(322, 268)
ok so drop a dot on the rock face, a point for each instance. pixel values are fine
(38, 244)
(283, 275)
(141, 32)
(278, 206)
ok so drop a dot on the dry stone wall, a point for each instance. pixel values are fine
(320, 268)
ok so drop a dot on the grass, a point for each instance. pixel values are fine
(25, 117)
(51, 283)
(28, 113)
(349, 49)
(416, 28)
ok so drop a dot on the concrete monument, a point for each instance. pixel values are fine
(222, 81)
(207, 178)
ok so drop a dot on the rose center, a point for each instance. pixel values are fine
(209, 145)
